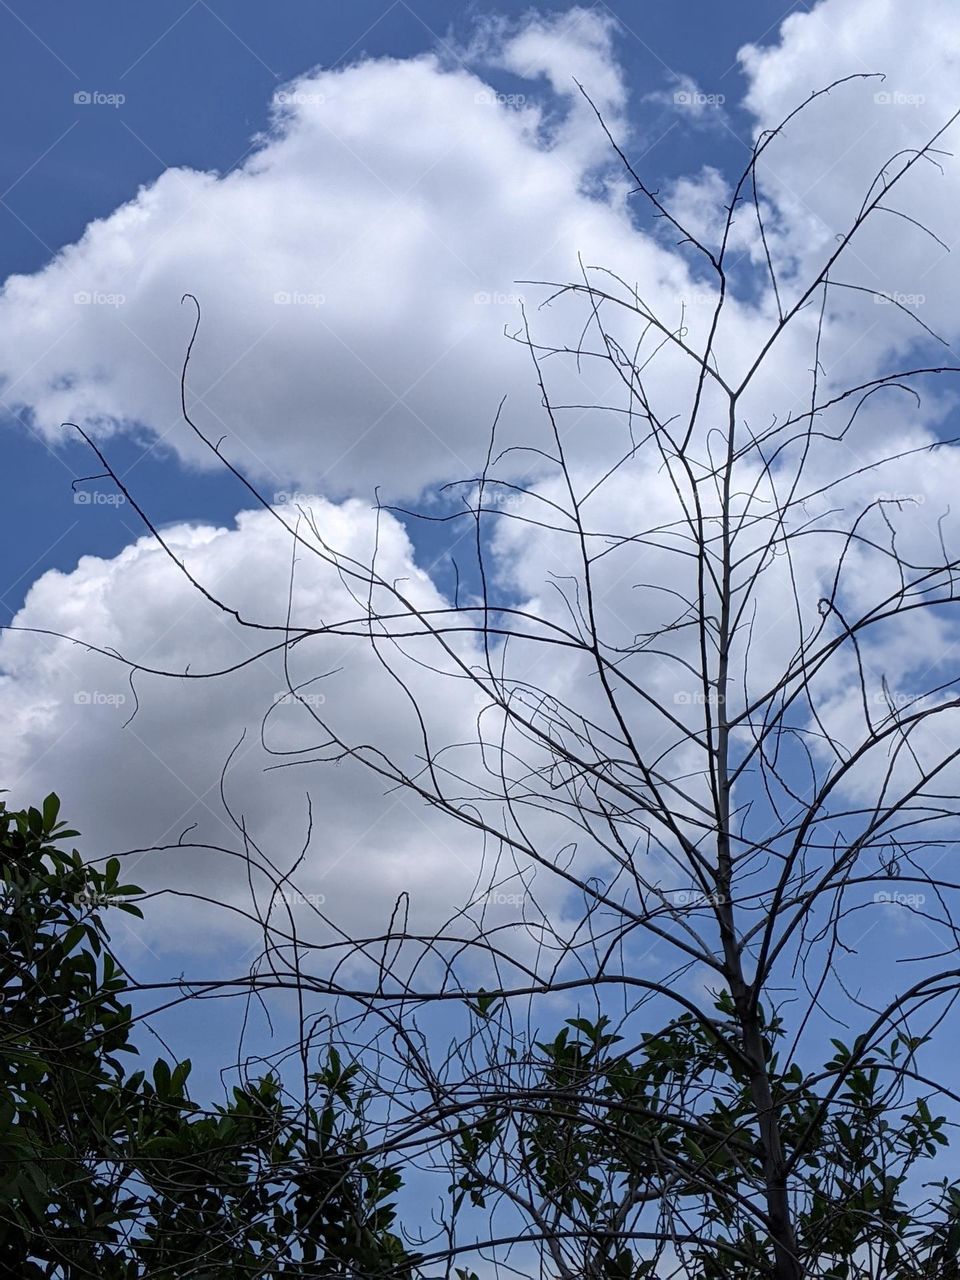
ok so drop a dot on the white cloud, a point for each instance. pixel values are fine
(135, 781)
(395, 204)
(690, 102)
(356, 272)
(821, 168)
(565, 49)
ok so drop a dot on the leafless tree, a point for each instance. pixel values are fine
(697, 786)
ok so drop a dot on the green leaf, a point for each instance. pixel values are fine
(180, 1073)
(73, 935)
(51, 808)
(484, 1002)
(161, 1078)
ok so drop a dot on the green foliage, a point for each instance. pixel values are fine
(672, 1122)
(119, 1175)
(64, 1025)
(115, 1172)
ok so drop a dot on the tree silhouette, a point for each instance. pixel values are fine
(723, 773)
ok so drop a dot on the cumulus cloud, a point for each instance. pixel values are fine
(841, 150)
(138, 763)
(146, 780)
(358, 271)
(356, 274)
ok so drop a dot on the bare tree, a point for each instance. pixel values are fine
(697, 789)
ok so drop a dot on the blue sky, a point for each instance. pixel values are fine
(197, 79)
(408, 221)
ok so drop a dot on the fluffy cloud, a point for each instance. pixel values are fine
(144, 781)
(139, 780)
(826, 162)
(356, 273)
